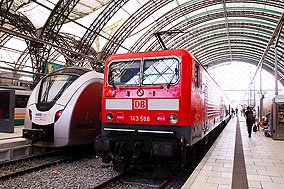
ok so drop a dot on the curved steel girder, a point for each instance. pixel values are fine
(236, 43)
(250, 61)
(22, 23)
(98, 24)
(56, 19)
(201, 44)
(233, 25)
(49, 32)
(71, 42)
(202, 40)
(132, 22)
(4, 39)
(5, 5)
(174, 14)
(225, 56)
(274, 3)
(10, 6)
(249, 39)
(209, 28)
(243, 51)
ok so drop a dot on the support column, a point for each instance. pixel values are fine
(261, 95)
(276, 71)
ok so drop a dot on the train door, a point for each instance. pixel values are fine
(205, 125)
(7, 106)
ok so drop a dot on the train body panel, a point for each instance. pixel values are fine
(156, 102)
(71, 119)
(19, 116)
(21, 97)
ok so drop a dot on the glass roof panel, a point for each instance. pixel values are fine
(210, 33)
(240, 74)
(36, 13)
(39, 12)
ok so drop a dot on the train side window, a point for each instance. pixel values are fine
(21, 101)
(197, 76)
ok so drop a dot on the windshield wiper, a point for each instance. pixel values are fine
(112, 84)
(47, 90)
(176, 73)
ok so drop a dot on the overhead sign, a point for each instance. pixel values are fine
(52, 67)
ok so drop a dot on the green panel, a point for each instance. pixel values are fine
(19, 122)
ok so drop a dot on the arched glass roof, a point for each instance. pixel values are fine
(86, 32)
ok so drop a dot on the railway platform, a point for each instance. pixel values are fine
(236, 161)
(13, 146)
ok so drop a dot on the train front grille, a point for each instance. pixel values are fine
(48, 131)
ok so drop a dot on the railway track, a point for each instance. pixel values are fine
(22, 166)
(126, 180)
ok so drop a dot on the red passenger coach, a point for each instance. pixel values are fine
(155, 105)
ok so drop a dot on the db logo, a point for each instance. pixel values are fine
(140, 104)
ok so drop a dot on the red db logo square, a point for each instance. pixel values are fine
(140, 104)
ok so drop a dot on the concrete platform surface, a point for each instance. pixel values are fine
(263, 161)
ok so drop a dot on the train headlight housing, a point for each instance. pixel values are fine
(30, 114)
(160, 118)
(120, 117)
(109, 117)
(58, 114)
(173, 119)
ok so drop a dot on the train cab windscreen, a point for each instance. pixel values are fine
(53, 86)
(162, 71)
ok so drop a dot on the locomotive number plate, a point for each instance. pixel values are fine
(140, 118)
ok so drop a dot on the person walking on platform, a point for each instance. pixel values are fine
(250, 120)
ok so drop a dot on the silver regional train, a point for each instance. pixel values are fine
(64, 107)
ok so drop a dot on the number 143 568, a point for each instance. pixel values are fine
(140, 118)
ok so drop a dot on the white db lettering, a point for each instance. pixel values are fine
(139, 104)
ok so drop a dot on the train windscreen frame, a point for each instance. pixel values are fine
(144, 72)
(53, 86)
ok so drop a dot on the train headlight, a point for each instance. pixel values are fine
(161, 118)
(30, 114)
(58, 114)
(120, 117)
(109, 117)
(173, 119)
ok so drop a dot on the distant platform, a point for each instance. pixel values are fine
(13, 146)
(236, 161)
(17, 134)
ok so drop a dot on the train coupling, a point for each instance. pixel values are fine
(33, 134)
(163, 149)
(103, 144)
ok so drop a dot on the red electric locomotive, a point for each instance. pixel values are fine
(155, 106)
